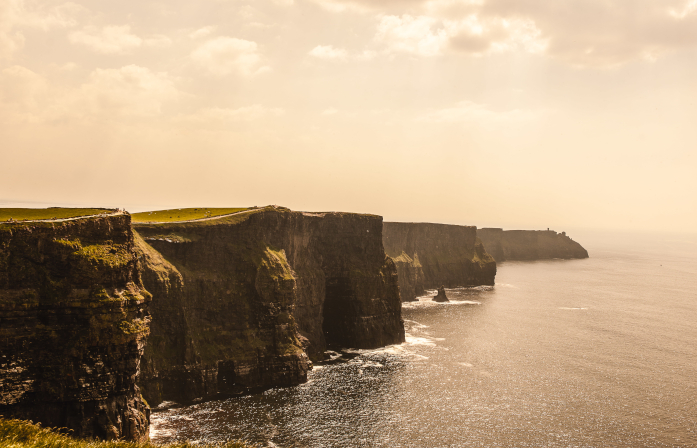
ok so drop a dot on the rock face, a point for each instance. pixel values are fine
(73, 324)
(529, 244)
(441, 297)
(448, 255)
(243, 302)
(411, 277)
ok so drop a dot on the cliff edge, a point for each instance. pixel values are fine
(243, 302)
(430, 255)
(73, 324)
(529, 244)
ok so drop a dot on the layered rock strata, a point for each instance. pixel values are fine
(73, 325)
(243, 302)
(529, 244)
(448, 255)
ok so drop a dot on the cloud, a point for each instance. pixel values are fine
(605, 33)
(470, 112)
(582, 33)
(129, 90)
(328, 52)
(365, 6)
(475, 35)
(226, 55)
(415, 35)
(330, 111)
(17, 15)
(114, 39)
(202, 32)
(689, 8)
(107, 94)
(428, 36)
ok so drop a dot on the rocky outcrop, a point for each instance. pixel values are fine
(529, 244)
(411, 277)
(441, 297)
(73, 324)
(448, 255)
(242, 302)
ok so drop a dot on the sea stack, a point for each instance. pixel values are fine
(428, 255)
(441, 297)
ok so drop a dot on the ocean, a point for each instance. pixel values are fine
(600, 352)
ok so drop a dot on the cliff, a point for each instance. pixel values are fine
(411, 276)
(243, 302)
(73, 324)
(448, 255)
(529, 244)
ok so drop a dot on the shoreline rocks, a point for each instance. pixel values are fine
(441, 297)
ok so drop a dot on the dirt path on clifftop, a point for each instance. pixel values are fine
(198, 220)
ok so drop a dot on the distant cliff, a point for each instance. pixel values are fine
(242, 302)
(73, 324)
(529, 244)
(431, 255)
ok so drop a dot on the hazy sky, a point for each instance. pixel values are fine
(514, 113)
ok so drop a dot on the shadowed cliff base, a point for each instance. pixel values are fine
(73, 325)
(242, 302)
(429, 256)
(529, 244)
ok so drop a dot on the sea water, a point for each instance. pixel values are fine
(600, 352)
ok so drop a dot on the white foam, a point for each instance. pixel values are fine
(415, 324)
(372, 364)
(396, 349)
(166, 404)
(413, 340)
(430, 303)
(156, 429)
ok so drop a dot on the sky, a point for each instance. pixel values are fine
(505, 113)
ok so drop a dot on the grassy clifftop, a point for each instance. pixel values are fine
(34, 214)
(24, 434)
(183, 214)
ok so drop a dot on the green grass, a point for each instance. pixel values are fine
(23, 434)
(182, 214)
(33, 214)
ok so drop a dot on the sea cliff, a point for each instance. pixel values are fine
(73, 325)
(529, 244)
(244, 302)
(431, 255)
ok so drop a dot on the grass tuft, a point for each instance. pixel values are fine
(24, 434)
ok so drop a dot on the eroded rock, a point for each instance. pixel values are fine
(73, 326)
